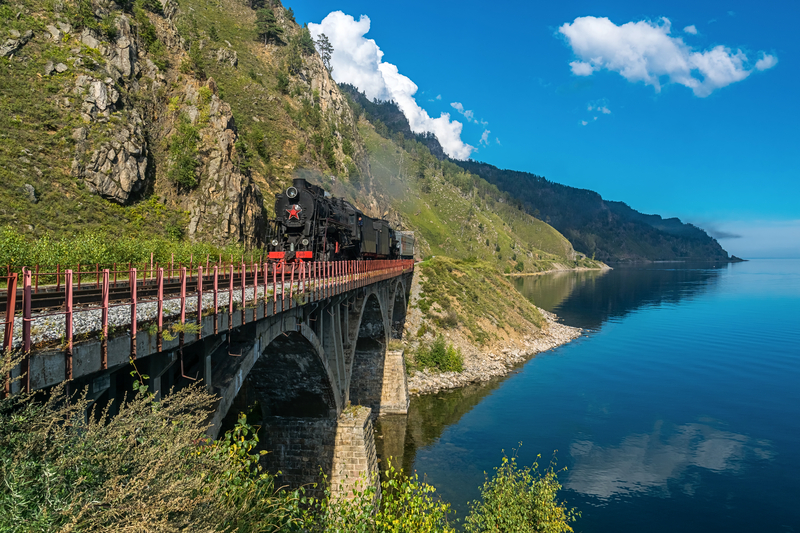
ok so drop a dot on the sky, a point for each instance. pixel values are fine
(682, 109)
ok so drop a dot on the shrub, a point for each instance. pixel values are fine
(440, 356)
(282, 82)
(406, 504)
(183, 154)
(520, 500)
(150, 468)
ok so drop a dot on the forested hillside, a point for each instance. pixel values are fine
(608, 231)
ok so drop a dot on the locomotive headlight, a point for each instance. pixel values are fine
(274, 242)
(305, 242)
(291, 192)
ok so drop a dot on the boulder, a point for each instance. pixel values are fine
(12, 45)
(226, 55)
(55, 33)
(30, 193)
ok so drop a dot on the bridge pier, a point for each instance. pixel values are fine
(343, 448)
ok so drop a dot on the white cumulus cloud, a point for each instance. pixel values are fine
(358, 61)
(601, 108)
(485, 138)
(690, 29)
(645, 52)
(766, 62)
(468, 114)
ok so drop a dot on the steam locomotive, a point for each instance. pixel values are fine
(311, 225)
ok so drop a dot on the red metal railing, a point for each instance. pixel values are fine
(287, 284)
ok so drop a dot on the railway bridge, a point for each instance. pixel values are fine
(308, 344)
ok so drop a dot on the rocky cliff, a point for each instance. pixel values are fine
(146, 104)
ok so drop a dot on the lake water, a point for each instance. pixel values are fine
(679, 410)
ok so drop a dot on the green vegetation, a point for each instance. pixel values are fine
(440, 356)
(65, 465)
(515, 499)
(267, 27)
(476, 294)
(89, 248)
(183, 154)
(149, 468)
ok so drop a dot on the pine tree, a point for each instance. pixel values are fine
(325, 50)
(267, 26)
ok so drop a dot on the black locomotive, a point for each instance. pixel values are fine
(310, 225)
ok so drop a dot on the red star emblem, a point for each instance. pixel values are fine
(294, 212)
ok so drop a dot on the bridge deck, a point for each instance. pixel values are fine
(75, 312)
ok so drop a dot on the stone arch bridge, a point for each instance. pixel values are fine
(310, 348)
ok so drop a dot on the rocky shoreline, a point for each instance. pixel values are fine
(485, 366)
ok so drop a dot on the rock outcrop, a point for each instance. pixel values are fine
(16, 42)
(227, 203)
(117, 169)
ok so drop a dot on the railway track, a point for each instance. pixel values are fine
(48, 298)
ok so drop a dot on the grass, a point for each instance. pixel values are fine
(479, 296)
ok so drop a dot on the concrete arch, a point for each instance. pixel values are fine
(369, 356)
(291, 377)
(399, 306)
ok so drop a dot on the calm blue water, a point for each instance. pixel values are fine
(679, 410)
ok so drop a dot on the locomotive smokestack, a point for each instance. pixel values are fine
(299, 183)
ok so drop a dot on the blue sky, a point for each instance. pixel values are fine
(699, 121)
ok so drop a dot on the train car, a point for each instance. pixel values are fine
(310, 225)
(405, 244)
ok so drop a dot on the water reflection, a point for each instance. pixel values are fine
(398, 437)
(651, 462)
(587, 299)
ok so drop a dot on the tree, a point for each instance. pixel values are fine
(267, 26)
(325, 50)
(304, 41)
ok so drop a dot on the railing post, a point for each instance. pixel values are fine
(36, 290)
(8, 336)
(244, 292)
(265, 275)
(68, 323)
(133, 277)
(200, 300)
(160, 308)
(255, 291)
(79, 276)
(216, 296)
(230, 301)
(283, 287)
(58, 277)
(104, 320)
(274, 289)
(183, 295)
(291, 288)
(26, 326)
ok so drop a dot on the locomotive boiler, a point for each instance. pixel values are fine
(311, 225)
